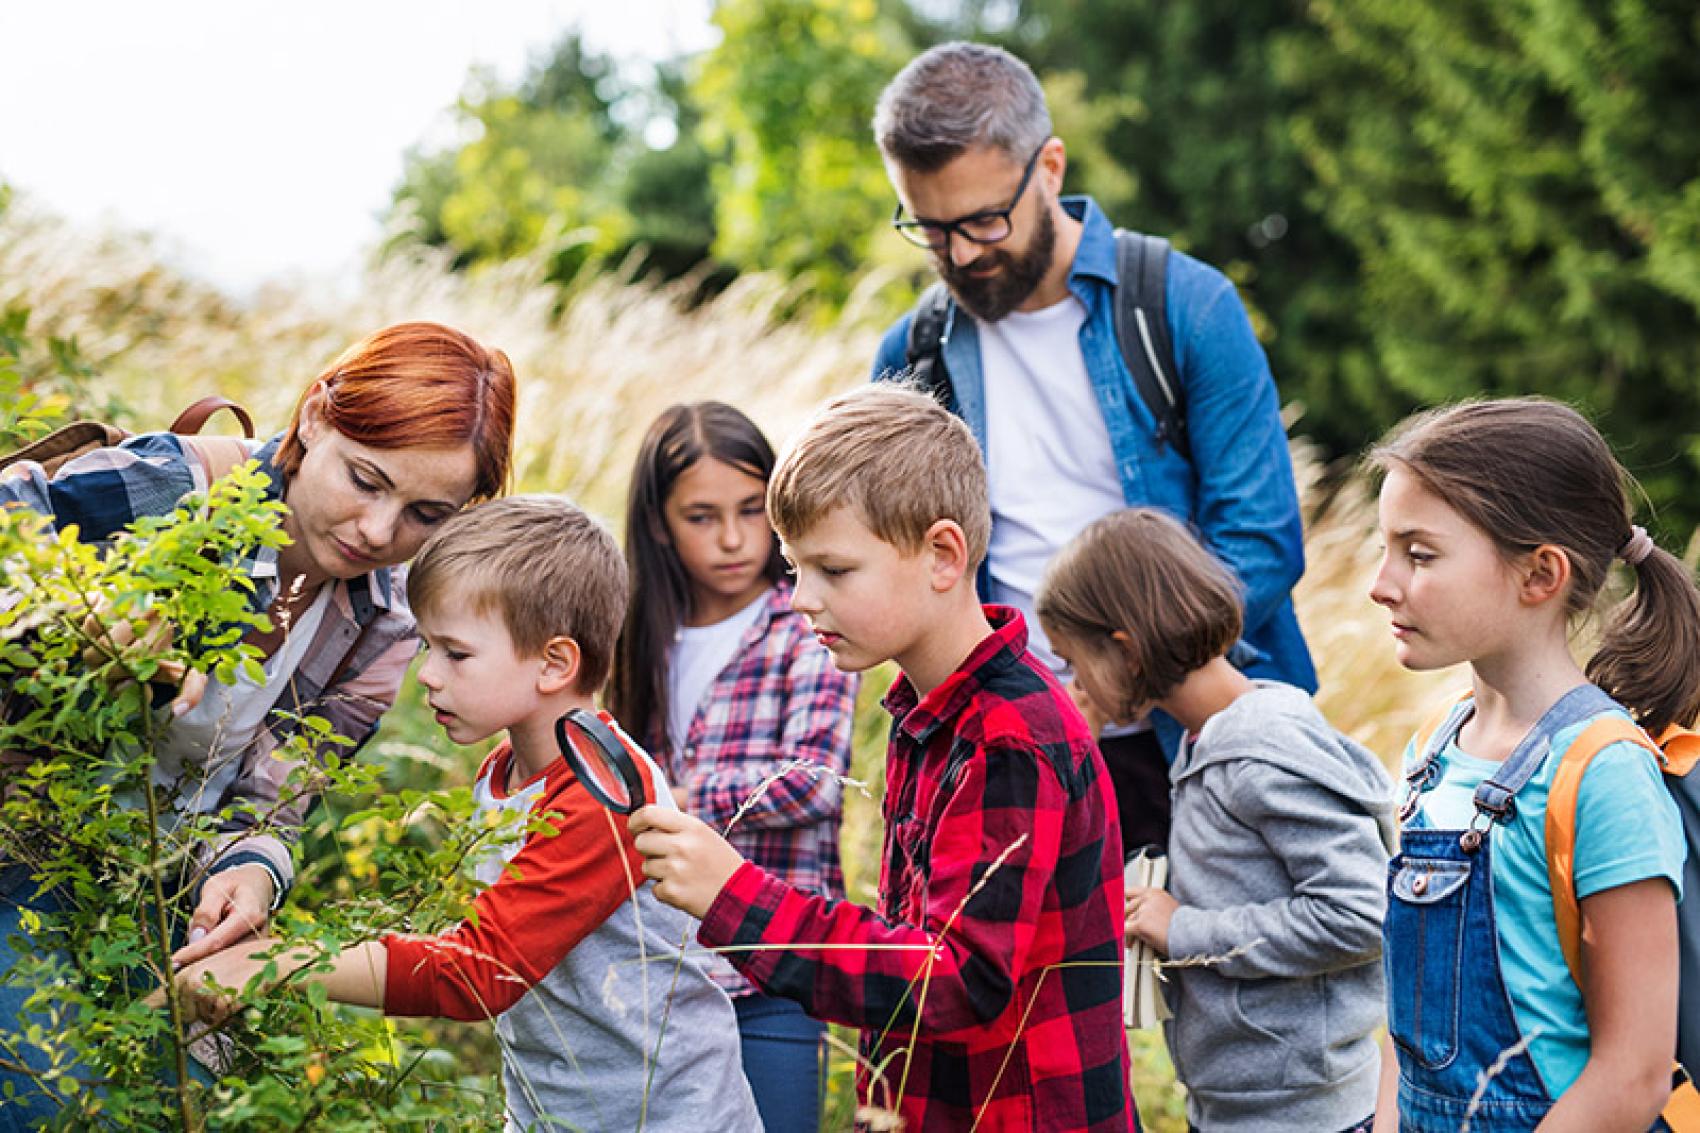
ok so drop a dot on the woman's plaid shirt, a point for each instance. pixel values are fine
(988, 983)
(349, 674)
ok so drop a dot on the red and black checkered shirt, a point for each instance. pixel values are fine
(988, 984)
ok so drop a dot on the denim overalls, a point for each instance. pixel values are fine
(1448, 1009)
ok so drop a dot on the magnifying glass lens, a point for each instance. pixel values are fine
(601, 762)
(599, 771)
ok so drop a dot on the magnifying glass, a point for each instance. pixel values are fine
(604, 765)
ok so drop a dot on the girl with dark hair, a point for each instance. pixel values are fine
(1502, 520)
(716, 674)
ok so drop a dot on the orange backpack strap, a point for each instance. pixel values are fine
(1682, 1110)
(1561, 826)
(1679, 750)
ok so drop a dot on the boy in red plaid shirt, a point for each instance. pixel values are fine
(988, 982)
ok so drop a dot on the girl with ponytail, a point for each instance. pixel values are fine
(1502, 520)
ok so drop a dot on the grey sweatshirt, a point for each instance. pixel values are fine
(1278, 857)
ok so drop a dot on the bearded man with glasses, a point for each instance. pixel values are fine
(1023, 344)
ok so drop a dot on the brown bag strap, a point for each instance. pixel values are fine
(192, 419)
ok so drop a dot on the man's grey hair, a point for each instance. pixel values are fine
(957, 96)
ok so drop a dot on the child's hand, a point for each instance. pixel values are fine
(1088, 707)
(1148, 914)
(231, 969)
(689, 863)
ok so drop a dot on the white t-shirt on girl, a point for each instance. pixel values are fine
(697, 655)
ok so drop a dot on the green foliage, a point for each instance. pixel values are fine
(789, 95)
(1178, 124)
(558, 165)
(85, 808)
(38, 386)
(1522, 182)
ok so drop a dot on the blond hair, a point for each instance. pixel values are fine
(896, 456)
(1142, 573)
(544, 565)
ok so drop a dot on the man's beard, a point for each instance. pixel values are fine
(991, 297)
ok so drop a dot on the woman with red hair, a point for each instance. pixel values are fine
(403, 430)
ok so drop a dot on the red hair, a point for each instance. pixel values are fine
(418, 385)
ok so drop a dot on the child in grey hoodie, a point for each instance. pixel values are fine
(1278, 851)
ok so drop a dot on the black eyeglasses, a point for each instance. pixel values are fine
(987, 227)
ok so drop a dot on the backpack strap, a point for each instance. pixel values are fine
(1679, 750)
(1561, 825)
(1682, 1110)
(191, 420)
(929, 330)
(1142, 330)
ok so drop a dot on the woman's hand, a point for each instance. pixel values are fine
(1148, 914)
(689, 863)
(150, 635)
(235, 904)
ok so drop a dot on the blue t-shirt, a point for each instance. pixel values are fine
(1627, 830)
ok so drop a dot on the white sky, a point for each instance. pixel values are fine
(261, 141)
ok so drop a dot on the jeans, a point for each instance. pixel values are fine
(29, 1106)
(783, 1052)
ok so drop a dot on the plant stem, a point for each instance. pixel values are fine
(179, 1047)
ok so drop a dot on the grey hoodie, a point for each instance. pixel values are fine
(1278, 857)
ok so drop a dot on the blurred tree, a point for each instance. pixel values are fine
(788, 97)
(560, 163)
(1521, 179)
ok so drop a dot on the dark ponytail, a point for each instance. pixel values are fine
(1530, 472)
(1649, 658)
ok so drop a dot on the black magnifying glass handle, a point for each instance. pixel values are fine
(602, 763)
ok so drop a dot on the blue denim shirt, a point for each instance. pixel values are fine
(1238, 489)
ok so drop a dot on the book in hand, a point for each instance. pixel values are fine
(1142, 995)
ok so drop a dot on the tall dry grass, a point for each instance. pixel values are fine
(593, 376)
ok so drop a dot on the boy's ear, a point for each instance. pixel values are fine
(948, 548)
(561, 660)
(1546, 574)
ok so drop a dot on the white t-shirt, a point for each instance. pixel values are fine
(1052, 470)
(696, 657)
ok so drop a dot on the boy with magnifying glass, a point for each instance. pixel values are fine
(519, 602)
(987, 981)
